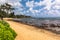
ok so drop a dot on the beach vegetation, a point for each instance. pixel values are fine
(6, 33)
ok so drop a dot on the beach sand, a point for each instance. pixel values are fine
(26, 32)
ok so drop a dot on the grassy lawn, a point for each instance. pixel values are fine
(6, 33)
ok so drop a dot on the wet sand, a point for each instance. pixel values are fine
(26, 32)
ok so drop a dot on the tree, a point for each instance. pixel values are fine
(8, 7)
(5, 9)
(12, 15)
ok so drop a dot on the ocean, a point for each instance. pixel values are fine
(52, 24)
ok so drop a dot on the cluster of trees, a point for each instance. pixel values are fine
(6, 11)
(22, 16)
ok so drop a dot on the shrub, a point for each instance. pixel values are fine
(4, 23)
(6, 33)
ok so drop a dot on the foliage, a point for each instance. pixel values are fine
(6, 33)
(22, 16)
(6, 10)
(11, 15)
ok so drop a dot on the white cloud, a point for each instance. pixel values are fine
(47, 3)
(2, 1)
(15, 3)
(30, 4)
(52, 7)
(34, 11)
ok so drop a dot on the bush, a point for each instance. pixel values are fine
(6, 33)
(4, 23)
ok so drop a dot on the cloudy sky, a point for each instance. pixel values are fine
(35, 8)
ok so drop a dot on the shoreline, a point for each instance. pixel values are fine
(51, 29)
(26, 32)
(35, 26)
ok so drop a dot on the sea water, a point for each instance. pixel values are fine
(46, 23)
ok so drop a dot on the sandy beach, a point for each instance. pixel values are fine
(26, 32)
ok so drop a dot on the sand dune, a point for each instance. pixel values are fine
(25, 32)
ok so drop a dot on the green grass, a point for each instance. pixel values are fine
(6, 33)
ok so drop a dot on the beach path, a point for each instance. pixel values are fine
(26, 32)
